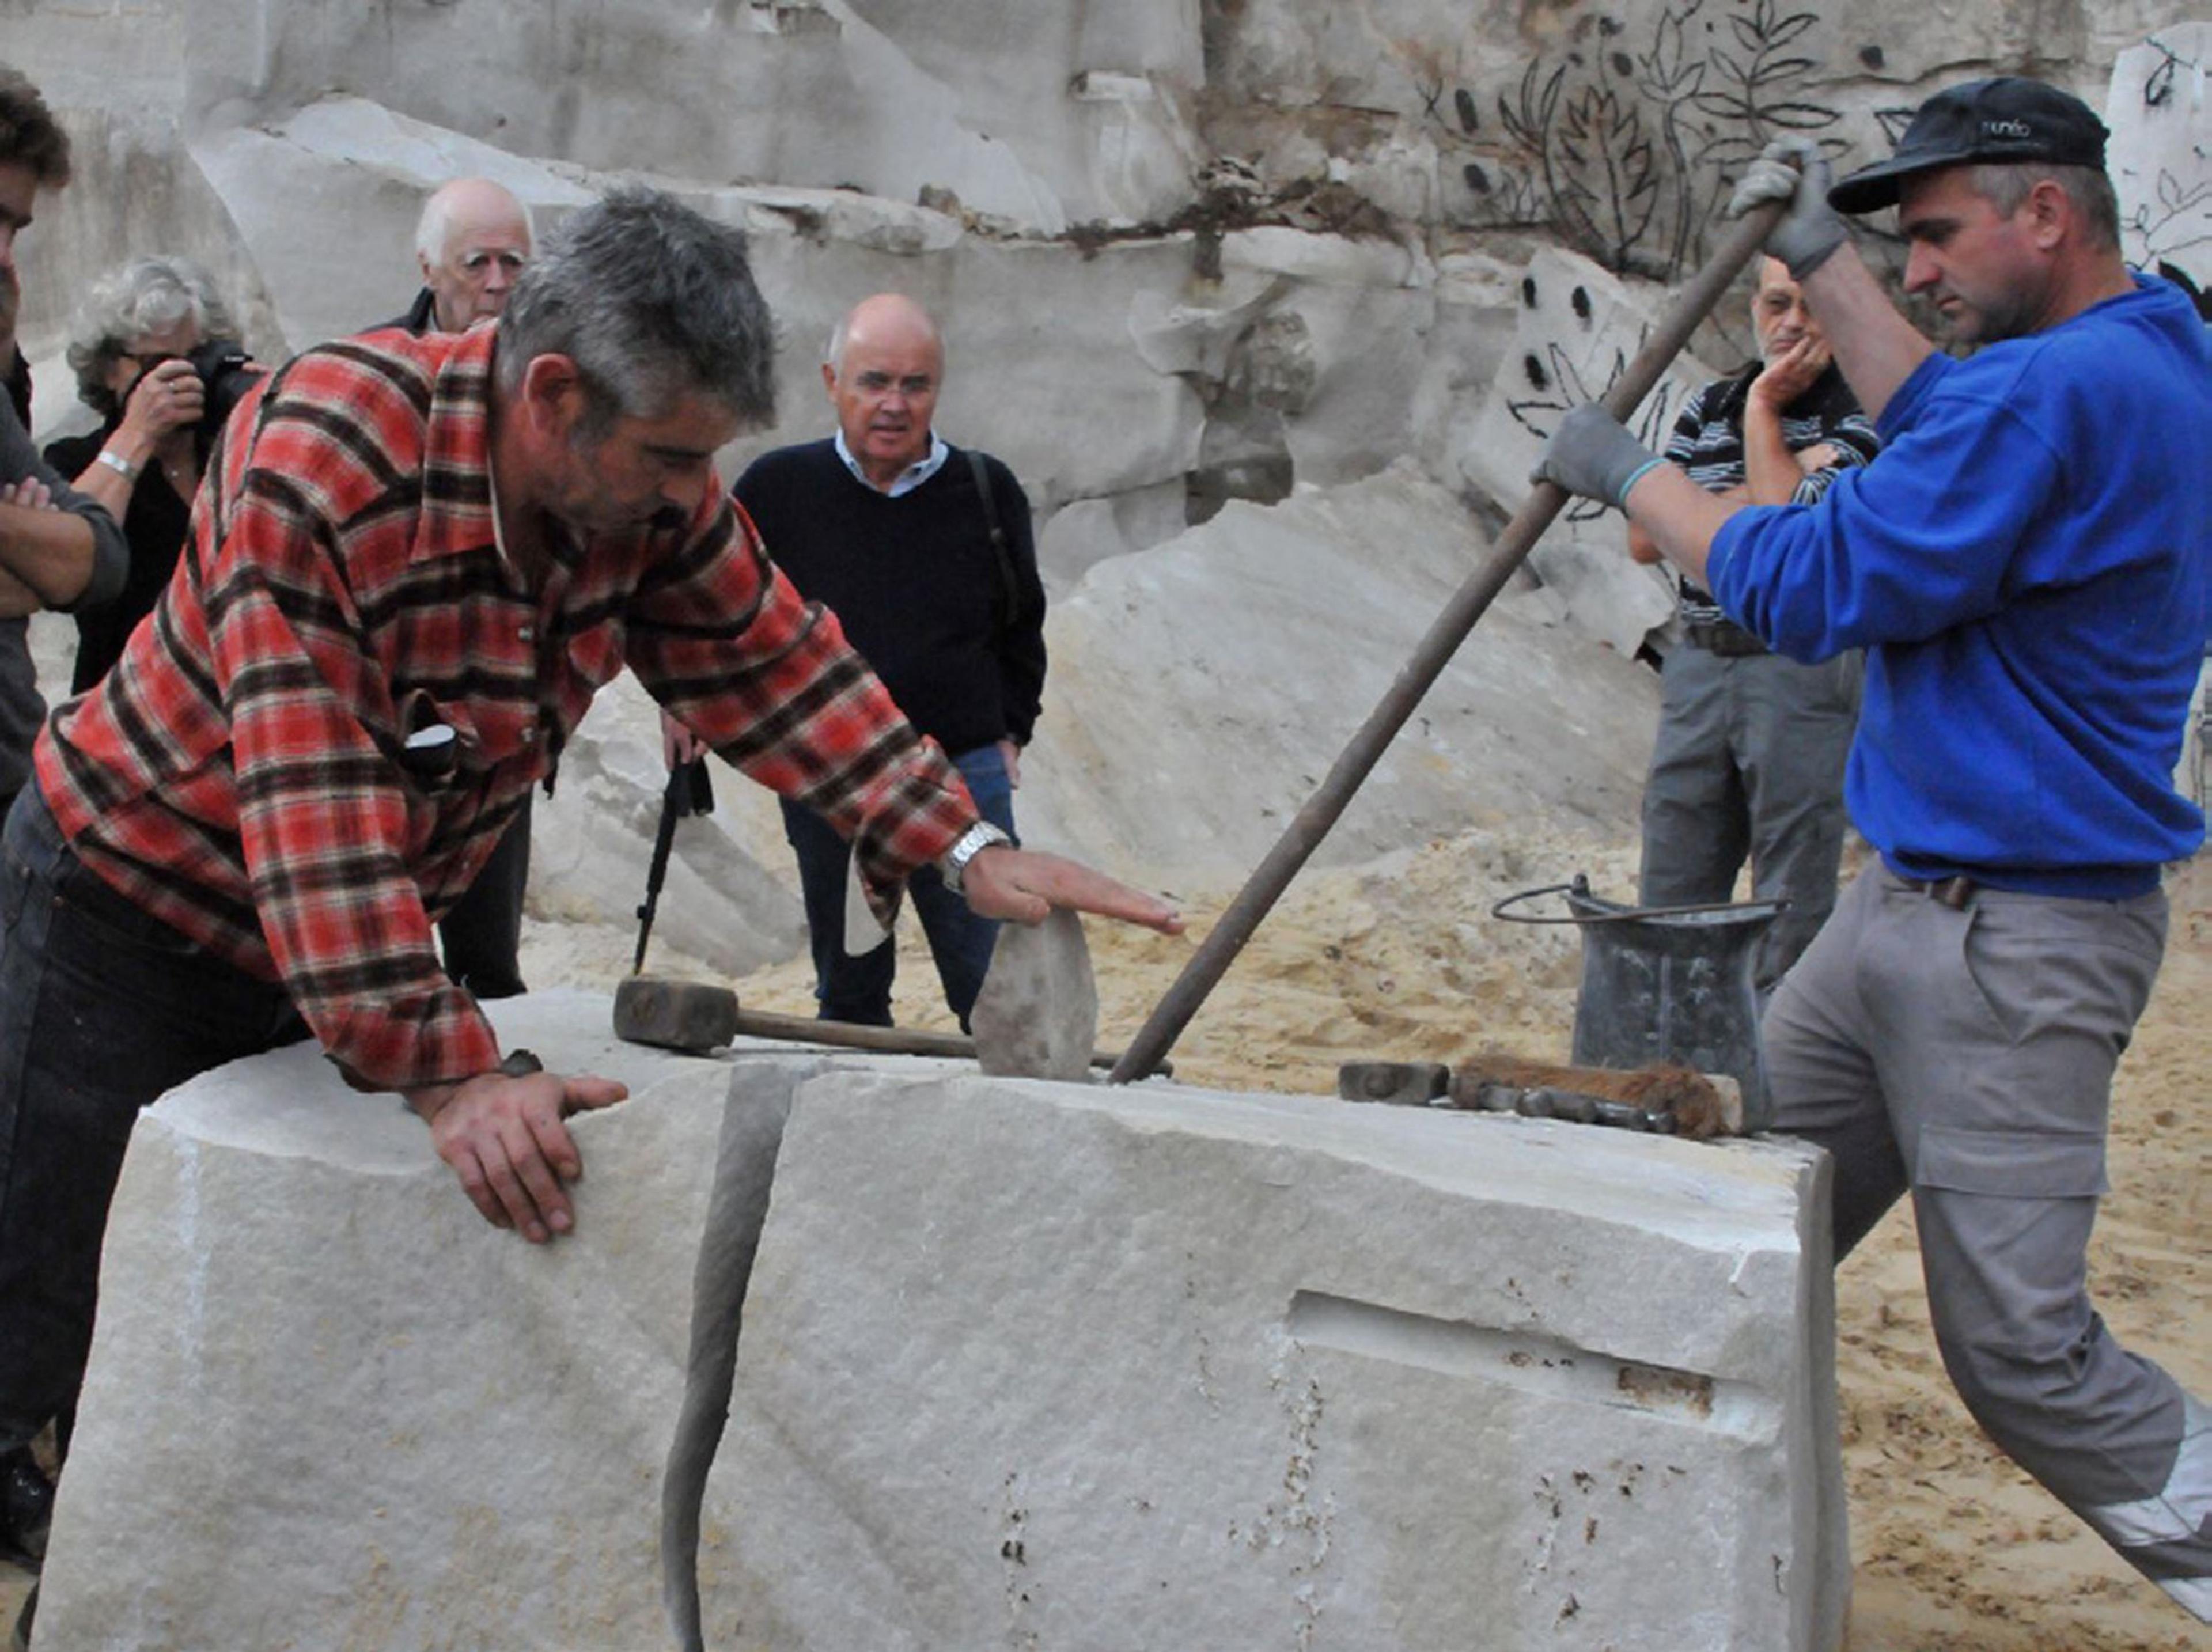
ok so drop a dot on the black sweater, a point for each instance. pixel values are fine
(154, 527)
(916, 584)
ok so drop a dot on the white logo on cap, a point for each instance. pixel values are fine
(2006, 129)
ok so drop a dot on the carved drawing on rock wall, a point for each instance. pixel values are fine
(2172, 218)
(1565, 372)
(1626, 148)
(1556, 384)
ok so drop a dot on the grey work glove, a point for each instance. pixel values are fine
(1591, 454)
(1793, 169)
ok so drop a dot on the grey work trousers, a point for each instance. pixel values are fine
(1749, 760)
(1967, 1056)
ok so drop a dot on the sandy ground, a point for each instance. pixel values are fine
(1954, 1548)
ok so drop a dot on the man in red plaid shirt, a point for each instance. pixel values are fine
(411, 564)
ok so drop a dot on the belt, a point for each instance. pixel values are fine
(1722, 637)
(1956, 892)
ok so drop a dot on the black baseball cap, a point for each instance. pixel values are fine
(2007, 118)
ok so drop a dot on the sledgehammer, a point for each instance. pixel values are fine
(696, 1018)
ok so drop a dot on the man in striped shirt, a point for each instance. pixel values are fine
(1750, 756)
(412, 563)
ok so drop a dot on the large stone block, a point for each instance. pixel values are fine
(803, 92)
(1046, 1364)
(1060, 1366)
(328, 1405)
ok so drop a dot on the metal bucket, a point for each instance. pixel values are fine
(1667, 984)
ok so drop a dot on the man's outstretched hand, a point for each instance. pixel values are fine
(505, 1140)
(1023, 885)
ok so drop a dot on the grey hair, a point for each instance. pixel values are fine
(140, 296)
(651, 300)
(2005, 183)
(435, 226)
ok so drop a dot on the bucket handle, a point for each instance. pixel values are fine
(1580, 886)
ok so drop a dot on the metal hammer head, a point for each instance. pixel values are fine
(676, 1015)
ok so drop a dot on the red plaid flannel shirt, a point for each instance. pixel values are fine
(242, 775)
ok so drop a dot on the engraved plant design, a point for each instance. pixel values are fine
(1626, 153)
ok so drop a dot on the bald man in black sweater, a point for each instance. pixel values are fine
(923, 552)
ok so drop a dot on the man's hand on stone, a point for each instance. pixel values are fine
(504, 1138)
(1592, 455)
(1023, 885)
(1793, 169)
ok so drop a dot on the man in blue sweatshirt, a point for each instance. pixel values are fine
(2026, 565)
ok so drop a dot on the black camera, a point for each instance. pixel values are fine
(226, 374)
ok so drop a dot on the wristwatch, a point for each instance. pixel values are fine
(952, 866)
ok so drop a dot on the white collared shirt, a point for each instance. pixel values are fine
(907, 480)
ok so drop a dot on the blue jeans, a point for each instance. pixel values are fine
(102, 1009)
(858, 989)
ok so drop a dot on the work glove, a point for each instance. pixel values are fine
(1793, 169)
(1591, 454)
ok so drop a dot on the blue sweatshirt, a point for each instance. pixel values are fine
(2026, 564)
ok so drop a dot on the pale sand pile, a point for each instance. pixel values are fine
(1956, 1548)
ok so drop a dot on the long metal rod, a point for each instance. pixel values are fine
(1312, 822)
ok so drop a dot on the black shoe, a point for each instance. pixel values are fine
(20, 1640)
(26, 1509)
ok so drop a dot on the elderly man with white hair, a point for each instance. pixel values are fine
(473, 238)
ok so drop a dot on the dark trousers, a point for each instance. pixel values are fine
(858, 988)
(482, 935)
(102, 1009)
(1750, 761)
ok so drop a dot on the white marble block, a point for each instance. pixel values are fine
(1055, 1366)
(1028, 1364)
(330, 1406)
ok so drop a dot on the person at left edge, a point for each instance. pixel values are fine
(58, 550)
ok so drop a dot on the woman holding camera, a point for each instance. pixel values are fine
(136, 327)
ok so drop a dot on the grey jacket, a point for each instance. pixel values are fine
(21, 710)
